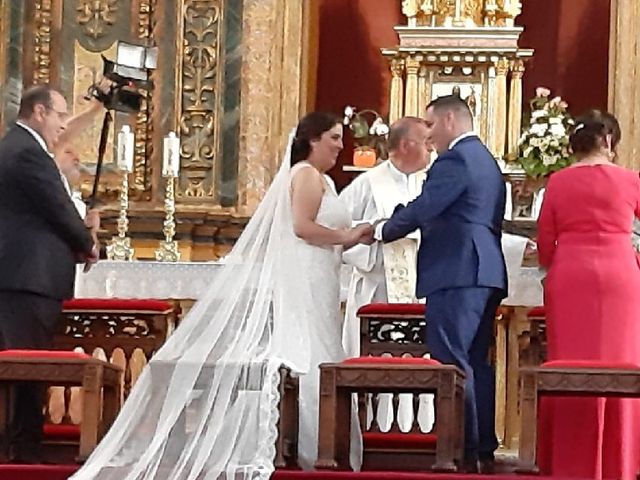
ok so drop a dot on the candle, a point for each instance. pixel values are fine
(125, 149)
(171, 155)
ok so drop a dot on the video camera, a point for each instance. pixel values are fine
(127, 75)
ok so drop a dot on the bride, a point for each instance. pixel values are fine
(206, 406)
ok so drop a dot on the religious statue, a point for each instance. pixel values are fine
(472, 102)
(461, 13)
(410, 8)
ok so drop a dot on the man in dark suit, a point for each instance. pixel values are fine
(41, 239)
(461, 268)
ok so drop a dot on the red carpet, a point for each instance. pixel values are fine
(36, 472)
(63, 472)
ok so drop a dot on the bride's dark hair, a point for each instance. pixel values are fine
(311, 127)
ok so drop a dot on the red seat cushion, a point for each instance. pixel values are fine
(58, 431)
(46, 354)
(600, 364)
(393, 441)
(117, 304)
(391, 361)
(392, 309)
(536, 312)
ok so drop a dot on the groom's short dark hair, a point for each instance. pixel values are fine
(451, 103)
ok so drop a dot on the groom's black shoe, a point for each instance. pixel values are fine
(487, 463)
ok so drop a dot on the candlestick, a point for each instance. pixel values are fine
(171, 155)
(120, 246)
(126, 144)
(168, 248)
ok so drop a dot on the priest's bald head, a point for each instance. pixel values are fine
(447, 118)
(409, 145)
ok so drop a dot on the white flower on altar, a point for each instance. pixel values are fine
(554, 120)
(349, 111)
(539, 129)
(348, 114)
(538, 114)
(548, 160)
(382, 130)
(557, 130)
(378, 128)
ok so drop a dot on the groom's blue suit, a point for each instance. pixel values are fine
(461, 272)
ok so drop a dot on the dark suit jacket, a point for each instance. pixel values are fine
(459, 214)
(41, 233)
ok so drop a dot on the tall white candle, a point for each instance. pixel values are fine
(125, 149)
(171, 155)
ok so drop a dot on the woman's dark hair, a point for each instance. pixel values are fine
(311, 127)
(591, 129)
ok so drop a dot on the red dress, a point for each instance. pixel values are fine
(592, 303)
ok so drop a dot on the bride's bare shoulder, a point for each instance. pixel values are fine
(304, 174)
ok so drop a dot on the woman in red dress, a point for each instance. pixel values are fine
(592, 302)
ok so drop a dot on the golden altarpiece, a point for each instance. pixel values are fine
(470, 48)
(222, 65)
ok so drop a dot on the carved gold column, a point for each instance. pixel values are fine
(43, 21)
(423, 88)
(273, 32)
(412, 94)
(491, 107)
(515, 106)
(396, 95)
(624, 77)
(500, 106)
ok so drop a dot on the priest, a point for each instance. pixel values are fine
(386, 272)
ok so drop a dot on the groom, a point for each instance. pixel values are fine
(461, 269)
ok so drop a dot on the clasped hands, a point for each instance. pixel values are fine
(363, 233)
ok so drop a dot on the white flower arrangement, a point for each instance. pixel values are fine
(367, 136)
(544, 145)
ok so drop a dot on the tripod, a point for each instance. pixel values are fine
(104, 136)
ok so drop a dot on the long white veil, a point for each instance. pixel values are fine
(206, 405)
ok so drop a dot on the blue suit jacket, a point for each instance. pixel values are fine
(459, 214)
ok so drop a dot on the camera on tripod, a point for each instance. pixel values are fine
(127, 75)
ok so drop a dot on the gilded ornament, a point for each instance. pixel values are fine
(96, 15)
(200, 76)
(42, 42)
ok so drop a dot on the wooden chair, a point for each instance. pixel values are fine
(535, 352)
(375, 375)
(107, 324)
(101, 384)
(287, 442)
(396, 330)
(286, 455)
(568, 378)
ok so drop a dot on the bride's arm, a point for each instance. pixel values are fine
(307, 189)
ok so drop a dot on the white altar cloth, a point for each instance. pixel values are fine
(189, 280)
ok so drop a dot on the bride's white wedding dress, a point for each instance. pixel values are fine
(206, 406)
(322, 270)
